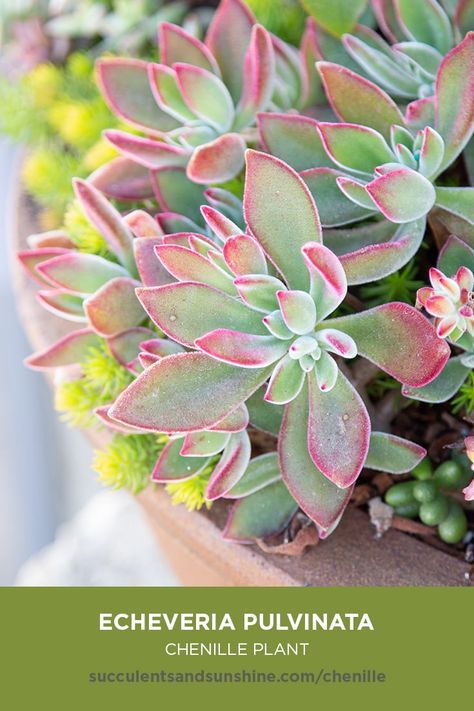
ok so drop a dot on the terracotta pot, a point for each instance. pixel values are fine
(192, 542)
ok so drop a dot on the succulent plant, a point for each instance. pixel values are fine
(197, 107)
(228, 295)
(253, 315)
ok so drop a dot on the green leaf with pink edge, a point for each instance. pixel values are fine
(458, 201)
(328, 283)
(444, 386)
(114, 308)
(172, 466)
(227, 203)
(312, 91)
(334, 207)
(171, 222)
(242, 349)
(402, 195)
(107, 220)
(217, 161)
(357, 100)
(177, 45)
(145, 151)
(176, 193)
(357, 148)
(79, 272)
(142, 224)
(382, 68)
(454, 254)
(420, 113)
(258, 79)
(286, 382)
(431, 153)
(263, 415)
(160, 347)
(244, 255)
(377, 261)
(186, 311)
(406, 345)
(425, 22)
(221, 225)
(62, 303)
(235, 422)
(126, 346)
(169, 396)
(344, 240)
(206, 96)
(454, 98)
(463, 15)
(259, 291)
(356, 192)
(294, 139)
(150, 269)
(319, 498)
(102, 414)
(448, 223)
(338, 430)
(261, 472)
(392, 454)
(31, 258)
(336, 16)
(231, 466)
(261, 514)
(125, 87)
(298, 310)
(52, 239)
(69, 350)
(281, 214)
(167, 94)
(228, 38)
(187, 265)
(204, 444)
(123, 179)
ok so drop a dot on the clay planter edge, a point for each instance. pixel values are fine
(192, 542)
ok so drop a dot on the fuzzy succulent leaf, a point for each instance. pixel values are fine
(68, 350)
(458, 201)
(62, 303)
(258, 79)
(177, 45)
(172, 466)
(406, 346)
(204, 444)
(150, 153)
(328, 283)
(358, 148)
(281, 214)
(150, 269)
(454, 98)
(188, 380)
(425, 22)
(261, 514)
(176, 193)
(395, 455)
(123, 179)
(114, 307)
(187, 265)
(402, 195)
(217, 161)
(286, 381)
(187, 311)
(294, 139)
(107, 220)
(319, 498)
(126, 345)
(444, 386)
(376, 261)
(261, 472)
(231, 467)
(242, 349)
(336, 16)
(80, 273)
(125, 86)
(205, 95)
(357, 100)
(264, 415)
(334, 207)
(338, 431)
(454, 254)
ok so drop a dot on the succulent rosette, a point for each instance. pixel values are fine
(252, 317)
(197, 107)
